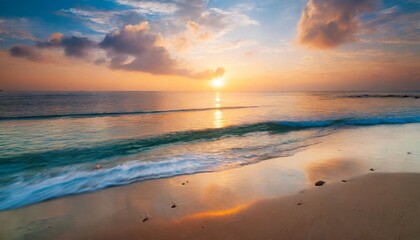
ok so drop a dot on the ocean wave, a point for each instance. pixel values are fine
(71, 171)
(128, 147)
(382, 96)
(39, 188)
(112, 114)
(351, 122)
(71, 180)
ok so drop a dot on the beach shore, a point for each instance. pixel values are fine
(374, 206)
(274, 199)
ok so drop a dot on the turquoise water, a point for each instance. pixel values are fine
(51, 142)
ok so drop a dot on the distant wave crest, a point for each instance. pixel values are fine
(112, 114)
(383, 96)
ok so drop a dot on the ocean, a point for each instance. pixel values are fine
(54, 144)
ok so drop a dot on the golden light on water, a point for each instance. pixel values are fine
(217, 99)
(218, 115)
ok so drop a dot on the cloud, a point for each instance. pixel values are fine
(392, 25)
(73, 46)
(209, 26)
(329, 23)
(135, 48)
(184, 23)
(132, 48)
(102, 21)
(27, 52)
(219, 19)
(150, 7)
(16, 28)
(210, 74)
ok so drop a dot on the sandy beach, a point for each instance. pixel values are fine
(374, 206)
(274, 199)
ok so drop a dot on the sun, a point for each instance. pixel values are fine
(218, 82)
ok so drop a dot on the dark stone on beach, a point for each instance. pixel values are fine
(187, 181)
(173, 206)
(183, 183)
(145, 219)
(408, 153)
(372, 169)
(344, 180)
(299, 204)
(319, 183)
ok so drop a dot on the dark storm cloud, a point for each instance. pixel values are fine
(329, 23)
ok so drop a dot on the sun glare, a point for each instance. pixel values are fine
(217, 82)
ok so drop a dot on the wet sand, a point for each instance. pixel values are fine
(274, 199)
(374, 206)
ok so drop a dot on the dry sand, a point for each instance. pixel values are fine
(374, 206)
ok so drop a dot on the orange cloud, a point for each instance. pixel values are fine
(329, 23)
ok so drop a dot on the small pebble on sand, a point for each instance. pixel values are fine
(319, 183)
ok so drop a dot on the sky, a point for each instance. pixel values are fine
(184, 45)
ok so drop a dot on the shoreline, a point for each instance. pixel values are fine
(371, 206)
(246, 195)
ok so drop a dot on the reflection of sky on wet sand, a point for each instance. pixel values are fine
(338, 156)
(333, 169)
(220, 212)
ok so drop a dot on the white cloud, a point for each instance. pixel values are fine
(17, 28)
(150, 7)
